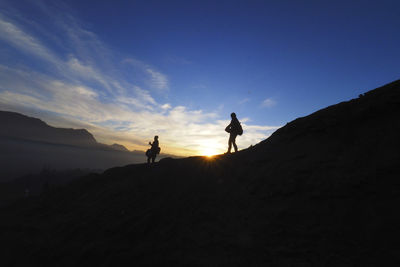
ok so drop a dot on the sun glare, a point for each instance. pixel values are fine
(209, 147)
(209, 152)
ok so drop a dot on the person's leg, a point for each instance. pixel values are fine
(234, 143)
(148, 160)
(153, 159)
(230, 143)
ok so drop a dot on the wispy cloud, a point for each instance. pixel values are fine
(166, 106)
(268, 103)
(86, 86)
(14, 35)
(88, 72)
(158, 80)
(244, 101)
(155, 79)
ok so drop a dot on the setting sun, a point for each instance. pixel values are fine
(210, 147)
(209, 152)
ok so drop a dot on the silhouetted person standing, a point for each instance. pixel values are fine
(234, 129)
(153, 151)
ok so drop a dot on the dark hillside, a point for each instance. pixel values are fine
(321, 191)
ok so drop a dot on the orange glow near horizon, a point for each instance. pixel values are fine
(207, 148)
(209, 152)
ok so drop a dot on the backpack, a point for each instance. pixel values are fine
(148, 153)
(240, 129)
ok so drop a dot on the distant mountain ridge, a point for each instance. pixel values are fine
(30, 145)
(19, 126)
(119, 147)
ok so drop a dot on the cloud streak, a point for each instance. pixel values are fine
(158, 80)
(26, 43)
(155, 79)
(268, 103)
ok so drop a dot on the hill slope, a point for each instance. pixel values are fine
(321, 191)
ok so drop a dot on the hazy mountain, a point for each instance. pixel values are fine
(119, 147)
(29, 145)
(321, 191)
(18, 126)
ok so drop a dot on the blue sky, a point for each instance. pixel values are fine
(127, 70)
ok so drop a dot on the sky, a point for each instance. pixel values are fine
(129, 70)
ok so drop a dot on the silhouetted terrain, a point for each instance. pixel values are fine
(35, 184)
(29, 145)
(321, 191)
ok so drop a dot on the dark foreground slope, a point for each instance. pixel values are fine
(321, 191)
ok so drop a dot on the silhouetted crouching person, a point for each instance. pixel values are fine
(234, 129)
(153, 151)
